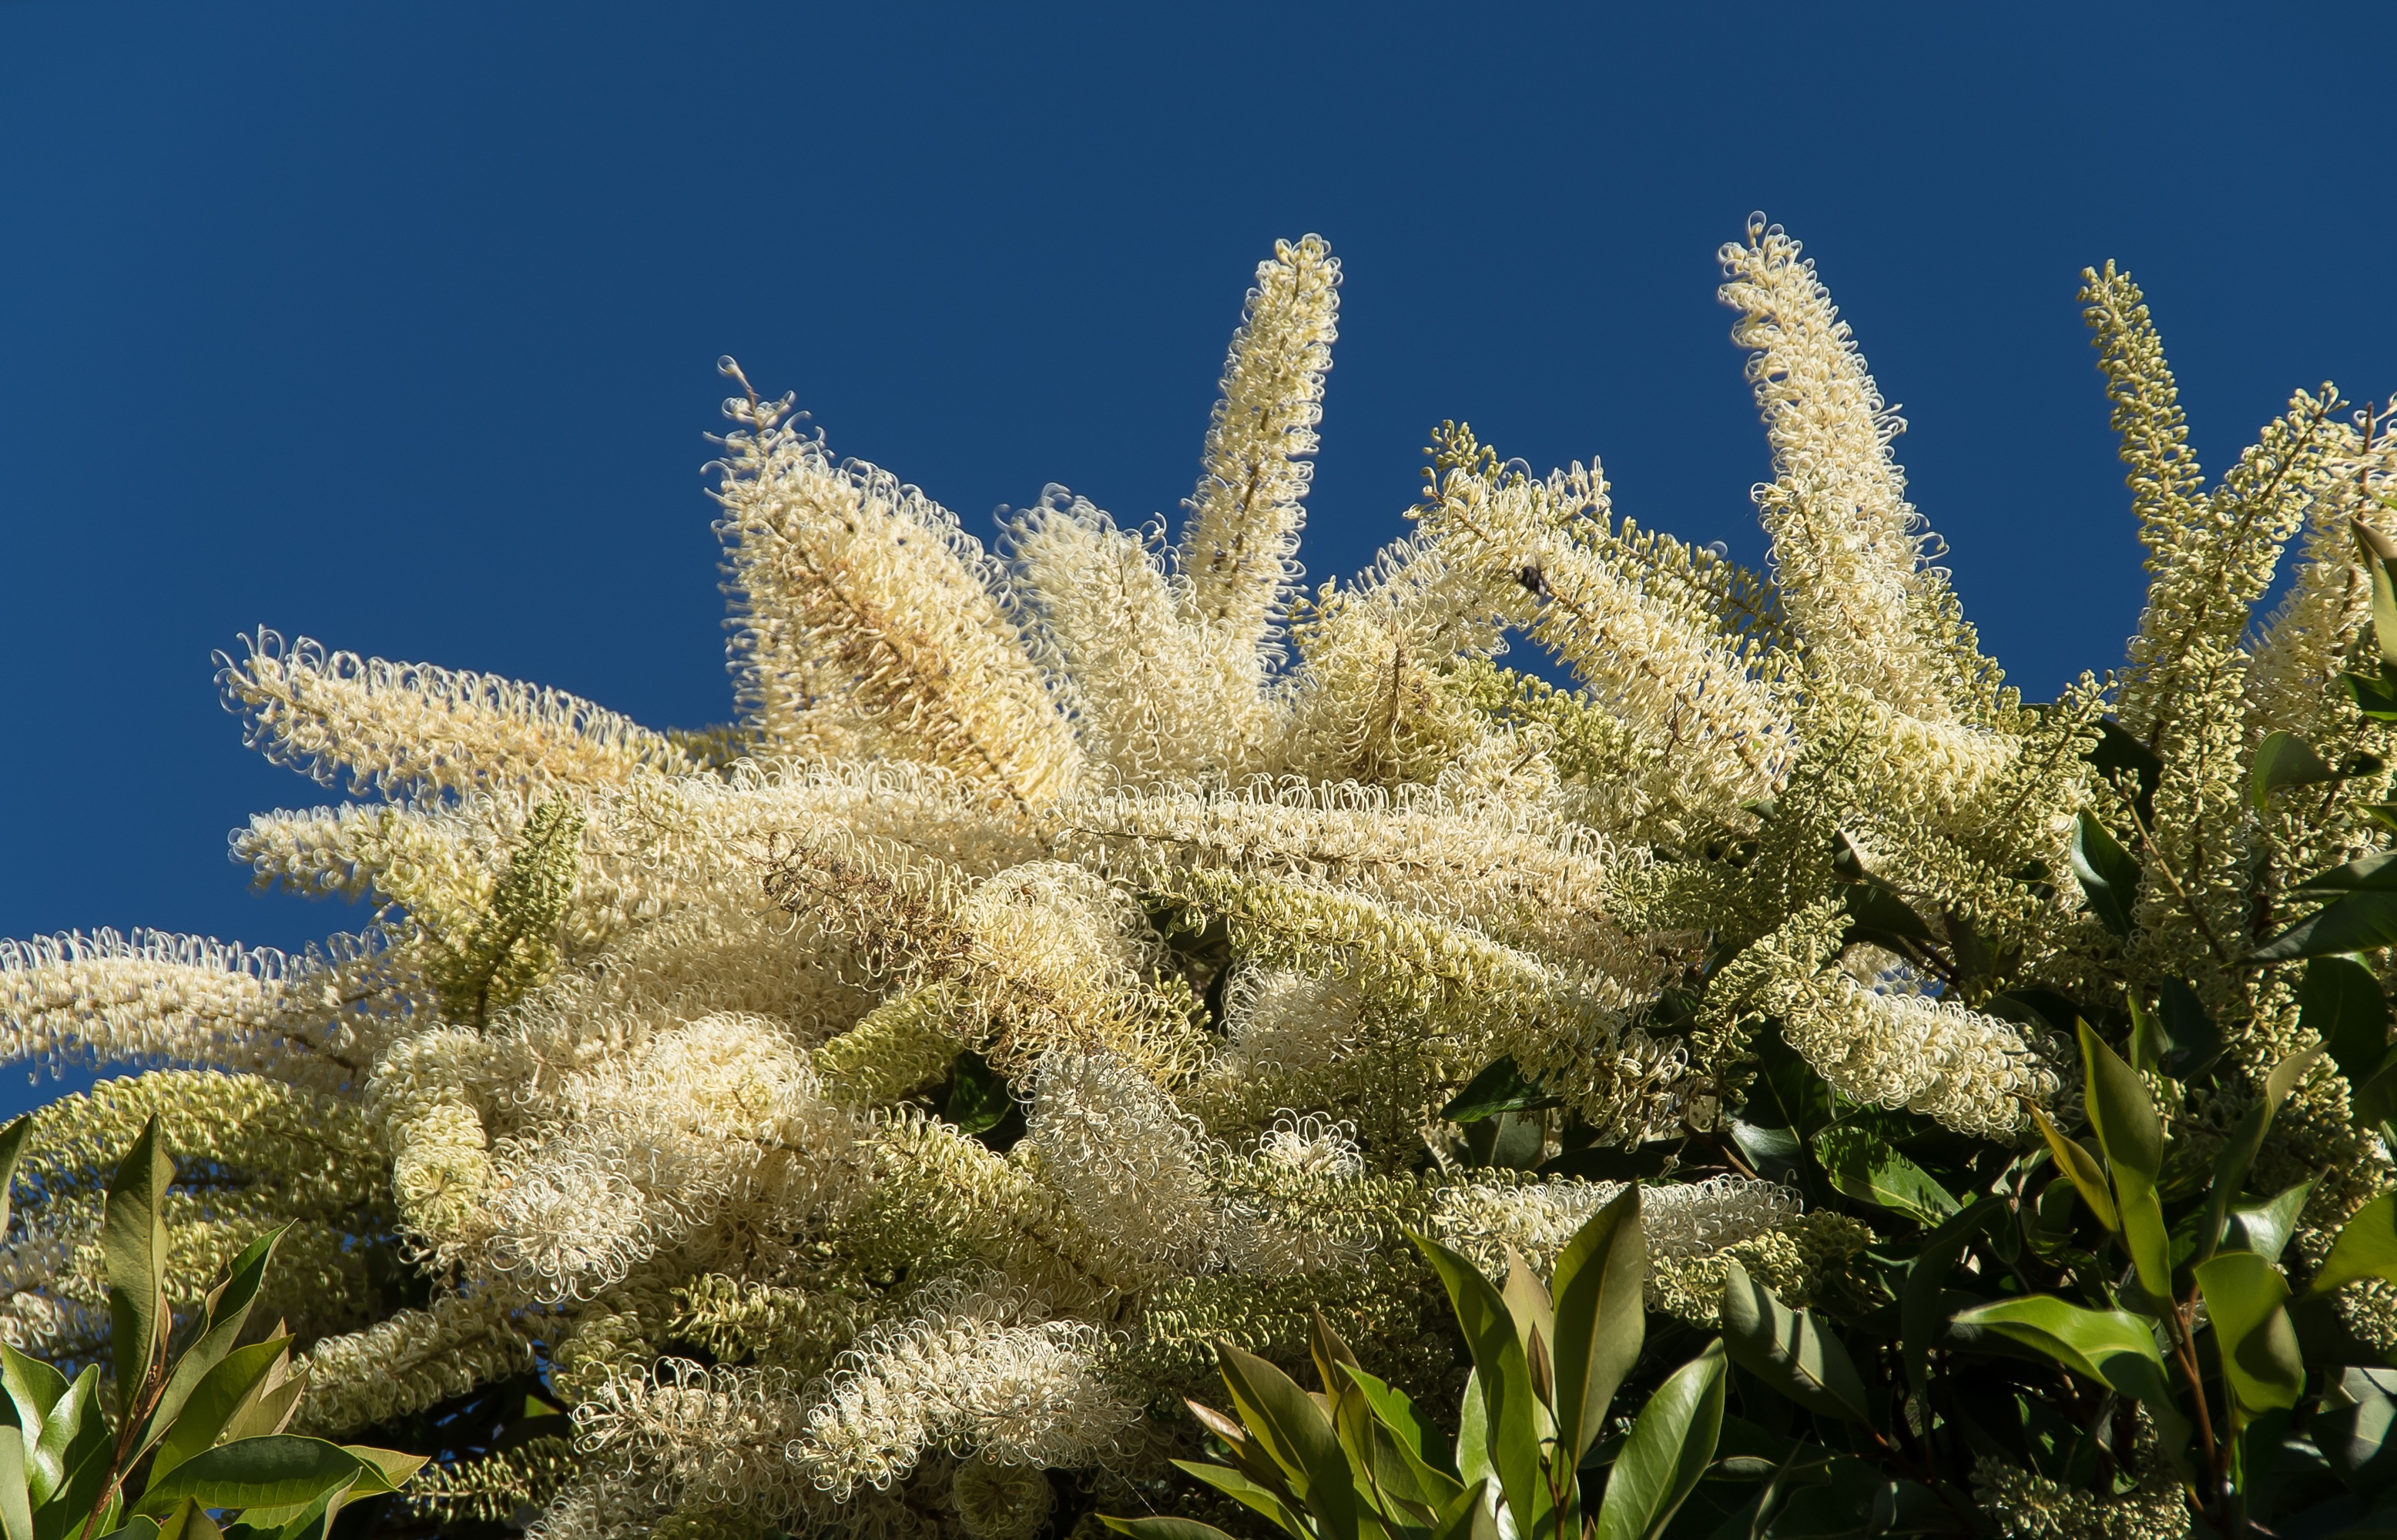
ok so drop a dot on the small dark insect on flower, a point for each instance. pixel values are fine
(1530, 579)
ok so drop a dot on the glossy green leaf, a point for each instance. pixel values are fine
(2283, 759)
(1395, 1412)
(2132, 1138)
(1292, 1427)
(979, 1099)
(2340, 1002)
(214, 1403)
(2238, 1152)
(1168, 1529)
(33, 1388)
(2356, 1440)
(2376, 698)
(1248, 1494)
(2264, 1228)
(277, 1471)
(141, 1528)
(1512, 1426)
(228, 1313)
(1869, 1168)
(88, 1471)
(16, 1503)
(2359, 921)
(2366, 1247)
(1600, 1318)
(1669, 1449)
(2244, 1297)
(2113, 1348)
(2187, 1026)
(2110, 877)
(2378, 555)
(2082, 1170)
(12, 1149)
(1467, 1516)
(73, 1431)
(1502, 1087)
(133, 1248)
(1919, 1297)
(1789, 1351)
(2121, 1112)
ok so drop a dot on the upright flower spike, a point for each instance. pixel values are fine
(1710, 734)
(1242, 541)
(1143, 679)
(2211, 555)
(848, 582)
(1849, 551)
(2293, 685)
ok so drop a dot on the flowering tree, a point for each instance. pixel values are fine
(872, 1117)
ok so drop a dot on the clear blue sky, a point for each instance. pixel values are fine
(395, 326)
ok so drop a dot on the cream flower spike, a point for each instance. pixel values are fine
(406, 728)
(1239, 548)
(1848, 549)
(867, 620)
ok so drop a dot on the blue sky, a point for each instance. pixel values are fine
(395, 326)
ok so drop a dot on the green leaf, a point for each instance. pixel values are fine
(2366, 1247)
(1786, 1091)
(2082, 1170)
(2376, 699)
(2340, 1002)
(2359, 921)
(2355, 1440)
(1502, 1087)
(88, 1467)
(1248, 1494)
(33, 1388)
(228, 1313)
(1505, 1141)
(1467, 1516)
(1395, 1412)
(2238, 1152)
(12, 1149)
(1512, 1416)
(280, 1470)
(1869, 1169)
(1294, 1431)
(1919, 1311)
(2377, 554)
(71, 1432)
(214, 1402)
(136, 1529)
(2264, 1228)
(16, 1503)
(133, 1247)
(2284, 760)
(1668, 1451)
(2109, 876)
(2123, 1118)
(979, 1100)
(2244, 1297)
(2373, 873)
(2187, 1026)
(1789, 1350)
(2113, 1348)
(1170, 1529)
(2121, 1112)
(1601, 1320)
